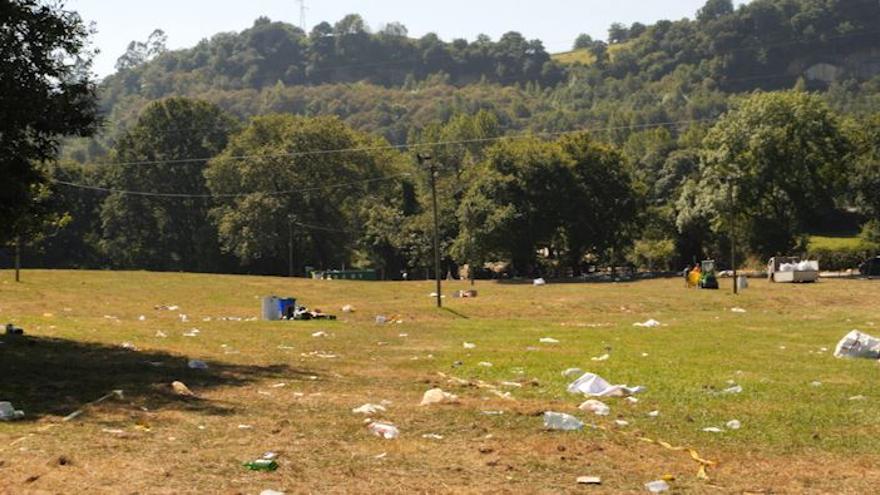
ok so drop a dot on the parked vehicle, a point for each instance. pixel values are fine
(870, 268)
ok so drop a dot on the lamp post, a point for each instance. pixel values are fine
(432, 168)
(731, 183)
(290, 220)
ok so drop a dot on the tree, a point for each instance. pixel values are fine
(175, 137)
(617, 33)
(46, 92)
(785, 154)
(866, 176)
(583, 41)
(714, 9)
(291, 186)
(140, 52)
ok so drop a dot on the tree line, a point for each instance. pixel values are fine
(190, 188)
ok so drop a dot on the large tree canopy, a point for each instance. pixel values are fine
(785, 154)
(46, 92)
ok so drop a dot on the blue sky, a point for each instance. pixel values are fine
(556, 22)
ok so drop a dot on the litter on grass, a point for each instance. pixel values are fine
(368, 409)
(652, 323)
(737, 310)
(562, 421)
(549, 340)
(320, 334)
(858, 345)
(593, 385)
(589, 480)
(603, 357)
(736, 389)
(180, 388)
(432, 436)
(196, 364)
(438, 396)
(539, 282)
(713, 429)
(469, 345)
(385, 430)
(9, 413)
(733, 424)
(485, 364)
(596, 407)
(658, 486)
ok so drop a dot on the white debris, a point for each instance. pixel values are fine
(658, 486)
(603, 357)
(539, 282)
(271, 492)
(858, 397)
(9, 413)
(733, 424)
(561, 421)
(184, 318)
(432, 436)
(469, 345)
(816, 383)
(652, 323)
(632, 400)
(589, 480)
(348, 308)
(736, 389)
(142, 318)
(511, 384)
(128, 346)
(596, 407)
(180, 388)
(595, 386)
(621, 423)
(737, 310)
(485, 364)
(245, 427)
(654, 414)
(160, 334)
(320, 334)
(385, 430)
(368, 409)
(858, 345)
(197, 364)
(713, 429)
(549, 340)
(438, 396)
(572, 372)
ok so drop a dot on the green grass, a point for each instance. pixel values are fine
(72, 356)
(835, 242)
(580, 56)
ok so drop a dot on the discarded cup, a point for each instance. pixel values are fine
(562, 421)
(733, 424)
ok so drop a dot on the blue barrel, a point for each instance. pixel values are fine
(285, 304)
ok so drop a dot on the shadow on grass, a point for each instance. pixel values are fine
(45, 376)
(455, 313)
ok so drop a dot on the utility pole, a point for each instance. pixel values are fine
(433, 170)
(290, 246)
(18, 258)
(730, 199)
(302, 14)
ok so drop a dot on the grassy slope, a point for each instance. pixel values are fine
(829, 242)
(796, 437)
(581, 56)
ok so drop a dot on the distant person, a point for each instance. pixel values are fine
(694, 276)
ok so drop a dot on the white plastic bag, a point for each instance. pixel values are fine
(858, 345)
(595, 386)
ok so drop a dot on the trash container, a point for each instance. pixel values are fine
(270, 309)
(285, 304)
(742, 282)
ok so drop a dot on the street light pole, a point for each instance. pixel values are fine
(433, 170)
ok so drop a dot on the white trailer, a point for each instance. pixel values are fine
(789, 269)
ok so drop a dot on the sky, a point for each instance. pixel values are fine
(556, 22)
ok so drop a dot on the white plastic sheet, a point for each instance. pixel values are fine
(858, 345)
(594, 385)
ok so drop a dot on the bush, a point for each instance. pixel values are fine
(842, 258)
(653, 254)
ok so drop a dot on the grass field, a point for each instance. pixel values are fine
(280, 382)
(580, 56)
(835, 242)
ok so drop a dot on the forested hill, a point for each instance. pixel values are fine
(386, 82)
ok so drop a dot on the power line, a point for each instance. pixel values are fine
(295, 154)
(109, 190)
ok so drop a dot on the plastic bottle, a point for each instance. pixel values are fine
(562, 421)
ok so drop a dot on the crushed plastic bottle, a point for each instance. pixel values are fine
(385, 430)
(9, 413)
(562, 421)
